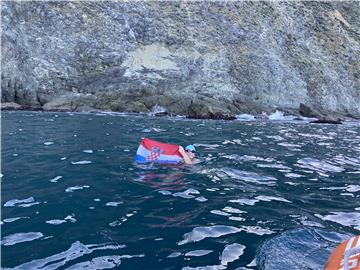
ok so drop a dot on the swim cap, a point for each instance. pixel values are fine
(190, 147)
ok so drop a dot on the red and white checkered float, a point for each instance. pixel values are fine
(153, 151)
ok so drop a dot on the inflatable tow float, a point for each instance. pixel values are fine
(150, 151)
(346, 256)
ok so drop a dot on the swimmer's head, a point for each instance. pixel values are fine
(190, 150)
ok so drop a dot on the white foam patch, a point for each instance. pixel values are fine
(16, 238)
(21, 203)
(271, 198)
(82, 162)
(292, 183)
(198, 253)
(121, 220)
(289, 145)
(72, 189)
(88, 151)
(333, 188)
(311, 223)
(318, 165)
(60, 221)
(247, 158)
(206, 267)
(280, 116)
(48, 143)
(252, 263)
(164, 192)
(231, 253)
(347, 194)
(103, 262)
(199, 233)
(76, 251)
(187, 194)
(9, 220)
(201, 199)
(252, 202)
(275, 166)
(353, 188)
(293, 175)
(317, 136)
(220, 213)
(236, 141)
(207, 146)
(237, 218)
(276, 137)
(55, 221)
(174, 255)
(63, 158)
(114, 204)
(349, 219)
(257, 230)
(245, 117)
(233, 210)
(55, 179)
(250, 177)
(244, 201)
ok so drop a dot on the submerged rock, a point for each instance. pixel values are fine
(204, 59)
(327, 120)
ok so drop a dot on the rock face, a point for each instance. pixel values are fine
(200, 59)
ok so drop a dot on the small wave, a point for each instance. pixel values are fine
(257, 230)
(174, 255)
(187, 194)
(231, 253)
(16, 238)
(198, 253)
(316, 136)
(48, 143)
(206, 267)
(122, 219)
(207, 146)
(318, 165)
(55, 179)
(200, 233)
(245, 117)
(251, 177)
(114, 204)
(349, 219)
(76, 251)
(9, 220)
(252, 202)
(21, 203)
(82, 162)
(220, 213)
(60, 221)
(280, 116)
(293, 175)
(72, 189)
(233, 210)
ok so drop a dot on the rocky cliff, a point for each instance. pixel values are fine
(201, 59)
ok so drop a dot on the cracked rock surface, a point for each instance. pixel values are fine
(200, 59)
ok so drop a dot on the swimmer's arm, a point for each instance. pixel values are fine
(186, 158)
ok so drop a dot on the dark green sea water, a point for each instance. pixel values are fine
(267, 194)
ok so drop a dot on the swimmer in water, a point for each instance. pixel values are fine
(188, 154)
